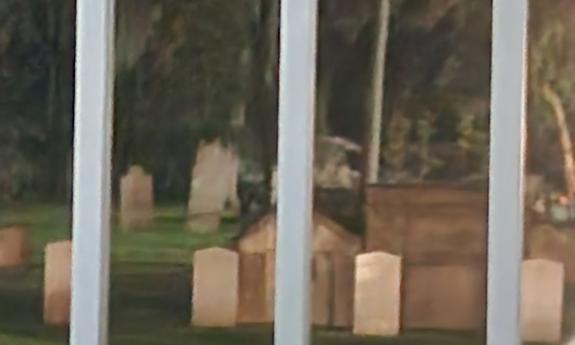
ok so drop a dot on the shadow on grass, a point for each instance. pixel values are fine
(150, 290)
(150, 305)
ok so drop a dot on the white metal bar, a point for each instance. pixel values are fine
(506, 170)
(92, 166)
(296, 132)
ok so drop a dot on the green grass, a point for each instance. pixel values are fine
(150, 290)
(149, 306)
(165, 242)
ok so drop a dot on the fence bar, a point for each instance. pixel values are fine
(298, 44)
(506, 170)
(92, 165)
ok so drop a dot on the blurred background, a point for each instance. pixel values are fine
(402, 143)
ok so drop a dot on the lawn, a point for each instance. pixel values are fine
(150, 290)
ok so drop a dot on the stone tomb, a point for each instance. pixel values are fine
(57, 283)
(542, 300)
(136, 199)
(377, 294)
(343, 287)
(443, 297)
(252, 304)
(440, 231)
(213, 186)
(427, 224)
(257, 287)
(322, 289)
(13, 247)
(334, 249)
(215, 288)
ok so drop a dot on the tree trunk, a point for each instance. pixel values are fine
(373, 130)
(554, 101)
(239, 109)
(66, 55)
(52, 167)
(270, 52)
(323, 99)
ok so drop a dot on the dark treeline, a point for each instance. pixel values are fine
(187, 70)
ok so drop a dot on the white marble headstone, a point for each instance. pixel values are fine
(214, 185)
(215, 296)
(542, 300)
(377, 294)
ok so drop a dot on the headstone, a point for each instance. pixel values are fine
(232, 205)
(444, 297)
(322, 289)
(57, 283)
(343, 286)
(377, 294)
(215, 288)
(137, 199)
(213, 187)
(542, 300)
(13, 247)
(252, 304)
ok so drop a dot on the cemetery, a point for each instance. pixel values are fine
(399, 233)
(151, 293)
(404, 280)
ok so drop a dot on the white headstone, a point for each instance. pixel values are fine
(57, 283)
(214, 185)
(136, 199)
(215, 296)
(377, 294)
(542, 300)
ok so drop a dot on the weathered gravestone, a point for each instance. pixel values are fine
(213, 187)
(13, 247)
(377, 294)
(542, 300)
(322, 289)
(443, 297)
(57, 283)
(215, 296)
(136, 199)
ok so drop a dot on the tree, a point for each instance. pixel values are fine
(36, 84)
(552, 61)
(373, 134)
(203, 66)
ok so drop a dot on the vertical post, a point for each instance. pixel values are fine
(298, 44)
(92, 165)
(506, 170)
(376, 102)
